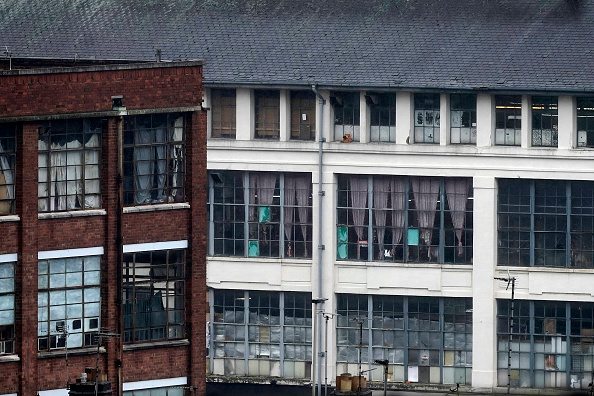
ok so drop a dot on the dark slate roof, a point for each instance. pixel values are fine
(529, 45)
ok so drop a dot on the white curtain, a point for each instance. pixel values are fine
(58, 185)
(74, 174)
(381, 192)
(303, 184)
(160, 163)
(144, 166)
(6, 185)
(426, 193)
(398, 195)
(359, 203)
(92, 180)
(177, 154)
(457, 194)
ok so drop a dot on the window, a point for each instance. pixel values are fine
(382, 108)
(544, 121)
(260, 214)
(69, 302)
(551, 344)
(166, 391)
(223, 113)
(260, 333)
(154, 165)
(427, 337)
(7, 168)
(346, 115)
(303, 115)
(153, 294)
(462, 119)
(7, 307)
(508, 120)
(546, 223)
(585, 122)
(404, 219)
(267, 114)
(69, 158)
(426, 118)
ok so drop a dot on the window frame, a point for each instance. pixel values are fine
(346, 107)
(80, 192)
(540, 135)
(168, 276)
(382, 105)
(585, 121)
(508, 107)
(463, 121)
(172, 146)
(223, 114)
(8, 164)
(7, 293)
(267, 114)
(427, 118)
(303, 104)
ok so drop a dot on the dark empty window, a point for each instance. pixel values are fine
(7, 168)
(382, 109)
(346, 115)
(544, 121)
(585, 122)
(508, 120)
(463, 119)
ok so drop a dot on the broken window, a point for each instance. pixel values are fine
(303, 115)
(7, 308)
(69, 165)
(267, 103)
(382, 109)
(154, 164)
(347, 116)
(426, 118)
(462, 119)
(7, 168)
(545, 123)
(69, 302)
(153, 294)
(261, 333)
(404, 219)
(424, 339)
(552, 219)
(585, 122)
(223, 113)
(260, 214)
(508, 120)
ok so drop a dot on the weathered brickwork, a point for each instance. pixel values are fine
(26, 98)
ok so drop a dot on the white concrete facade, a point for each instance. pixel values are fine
(484, 162)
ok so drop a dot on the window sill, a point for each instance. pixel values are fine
(9, 358)
(9, 218)
(71, 352)
(156, 344)
(157, 207)
(71, 213)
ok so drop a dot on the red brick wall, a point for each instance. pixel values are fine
(59, 93)
(91, 91)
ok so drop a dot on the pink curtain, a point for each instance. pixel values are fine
(426, 192)
(289, 211)
(398, 195)
(457, 194)
(359, 204)
(381, 192)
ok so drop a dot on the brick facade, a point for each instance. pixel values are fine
(28, 97)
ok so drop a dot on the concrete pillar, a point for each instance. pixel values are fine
(485, 120)
(484, 333)
(404, 118)
(245, 114)
(365, 119)
(285, 115)
(567, 110)
(526, 124)
(207, 104)
(444, 121)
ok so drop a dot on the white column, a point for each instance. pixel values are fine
(484, 334)
(567, 110)
(444, 121)
(364, 118)
(485, 120)
(207, 104)
(244, 114)
(285, 115)
(526, 124)
(404, 118)
(327, 121)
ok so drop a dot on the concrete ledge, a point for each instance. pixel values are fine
(10, 358)
(9, 218)
(71, 352)
(72, 213)
(156, 344)
(157, 207)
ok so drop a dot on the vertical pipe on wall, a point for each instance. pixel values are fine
(120, 253)
(321, 140)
